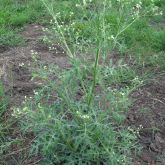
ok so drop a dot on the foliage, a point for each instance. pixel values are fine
(78, 117)
(68, 131)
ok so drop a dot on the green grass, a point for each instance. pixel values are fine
(3, 100)
(14, 15)
(10, 37)
(4, 143)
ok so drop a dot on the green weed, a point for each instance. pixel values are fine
(73, 122)
(68, 131)
(78, 117)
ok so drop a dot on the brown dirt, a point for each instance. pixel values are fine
(17, 78)
(148, 114)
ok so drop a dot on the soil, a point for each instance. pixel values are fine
(16, 63)
(147, 112)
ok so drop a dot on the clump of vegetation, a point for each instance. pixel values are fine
(68, 130)
(78, 116)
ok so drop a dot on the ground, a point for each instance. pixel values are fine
(148, 111)
(17, 77)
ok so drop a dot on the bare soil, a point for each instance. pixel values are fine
(148, 114)
(16, 63)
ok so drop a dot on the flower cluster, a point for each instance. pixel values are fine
(79, 114)
(17, 112)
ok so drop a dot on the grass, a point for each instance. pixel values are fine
(4, 143)
(14, 15)
(78, 118)
(3, 101)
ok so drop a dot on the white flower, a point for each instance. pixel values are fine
(112, 37)
(21, 64)
(82, 116)
(45, 67)
(161, 13)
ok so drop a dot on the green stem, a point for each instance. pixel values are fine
(125, 28)
(94, 77)
(70, 54)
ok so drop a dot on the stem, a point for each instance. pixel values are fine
(90, 98)
(125, 28)
(94, 77)
(70, 54)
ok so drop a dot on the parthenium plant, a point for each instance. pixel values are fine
(85, 129)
